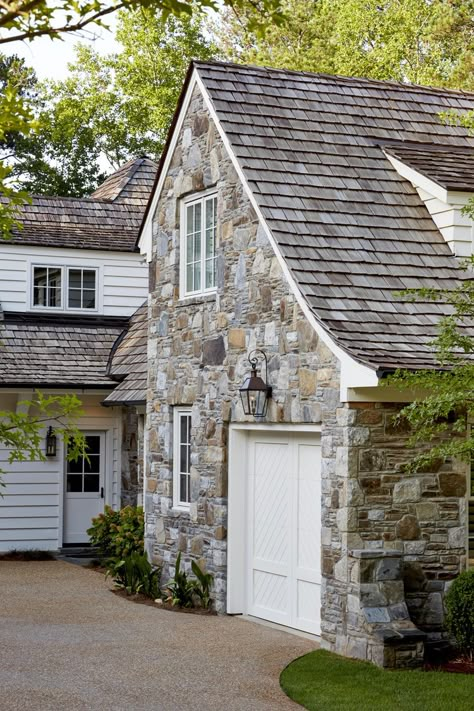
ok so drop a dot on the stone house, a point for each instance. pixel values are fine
(287, 210)
(72, 288)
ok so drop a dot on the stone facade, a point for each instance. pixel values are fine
(378, 508)
(131, 486)
(198, 357)
(198, 351)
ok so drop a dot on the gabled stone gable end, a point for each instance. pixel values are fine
(197, 356)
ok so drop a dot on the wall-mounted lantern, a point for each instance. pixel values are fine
(255, 392)
(51, 443)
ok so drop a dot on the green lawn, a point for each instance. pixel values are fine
(321, 681)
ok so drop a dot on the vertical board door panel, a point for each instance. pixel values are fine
(284, 529)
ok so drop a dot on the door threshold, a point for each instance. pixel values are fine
(280, 628)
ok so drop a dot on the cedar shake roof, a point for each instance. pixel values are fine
(41, 350)
(109, 220)
(128, 362)
(351, 230)
(450, 166)
(131, 184)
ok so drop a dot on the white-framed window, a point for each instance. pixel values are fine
(81, 288)
(64, 288)
(198, 245)
(47, 287)
(182, 458)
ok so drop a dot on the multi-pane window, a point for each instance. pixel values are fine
(182, 458)
(47, 285)
(81, 288)
(83, 474)
(65, 288)
(199, 248)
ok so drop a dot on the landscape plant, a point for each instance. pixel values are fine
(459, 602)
(118, 534)
(135, 574)
(183, 591)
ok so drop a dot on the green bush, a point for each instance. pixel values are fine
(459, 603)
(135, 574)
(183, 591)
(118, 533)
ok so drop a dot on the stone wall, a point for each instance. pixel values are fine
(198, 352)
(378, 507)
(130, 484)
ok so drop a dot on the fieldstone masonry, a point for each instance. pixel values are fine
(411, 528)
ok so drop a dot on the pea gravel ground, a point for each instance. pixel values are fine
(68, 643)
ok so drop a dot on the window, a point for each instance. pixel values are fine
(182, 458)
(47, 287)
(83, 475)
(81, 288)
(198, 246)
(64, 288)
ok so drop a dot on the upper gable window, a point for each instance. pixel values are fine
(64, 288)
(198, 245)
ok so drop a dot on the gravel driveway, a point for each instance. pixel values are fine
(68, 643)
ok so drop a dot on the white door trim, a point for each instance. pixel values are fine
(237, 506)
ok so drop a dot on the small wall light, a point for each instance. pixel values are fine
(51, 443)
(255, 392)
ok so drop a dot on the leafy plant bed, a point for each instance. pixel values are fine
(321, 681)
(28, 555)
(144, 600)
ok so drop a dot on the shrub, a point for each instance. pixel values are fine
(135, 574)
(118, 533)
(459, 602)
(183, 591)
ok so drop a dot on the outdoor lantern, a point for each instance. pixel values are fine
(255, 392)
(50, 443)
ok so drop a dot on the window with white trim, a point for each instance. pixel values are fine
(64, 288)
(182, 458)
(47, 287)
(81, 284)
(198, 246)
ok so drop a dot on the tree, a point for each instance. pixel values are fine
(439, 420)
(125, 101)
(421, 41)
(21, 431)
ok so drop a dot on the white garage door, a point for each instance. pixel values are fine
(284, 529)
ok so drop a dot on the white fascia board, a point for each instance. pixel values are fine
(353, 373)
(418, 180)
(146, 237)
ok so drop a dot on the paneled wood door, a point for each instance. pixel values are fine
(284, 529)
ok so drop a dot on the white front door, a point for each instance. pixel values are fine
(84, 489)
(284, 529)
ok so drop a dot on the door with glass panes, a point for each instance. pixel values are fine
(84, 489)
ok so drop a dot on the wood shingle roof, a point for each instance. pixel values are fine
(351, 230)
(128, 362)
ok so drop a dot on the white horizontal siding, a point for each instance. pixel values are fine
(31, 507)
(122, 276)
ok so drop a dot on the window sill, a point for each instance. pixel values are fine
(180, 509)
(197, 299)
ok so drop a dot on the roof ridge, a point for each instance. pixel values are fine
(349, 79)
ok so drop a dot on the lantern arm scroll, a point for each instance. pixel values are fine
(255, 392)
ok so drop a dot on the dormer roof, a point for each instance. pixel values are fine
(108, 220)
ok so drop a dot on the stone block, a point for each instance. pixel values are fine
(457, 537)
(353, 493)
(452, 484)
(394, 591)
(356, 436)
(307, 382)
(213, 351)
(374, 615)
(372, 595)
(373, 460)
(357, 647)
(407, 490)
(388, 569)
(427, 511)
(407, 528)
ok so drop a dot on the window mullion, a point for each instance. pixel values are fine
(203, 245)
